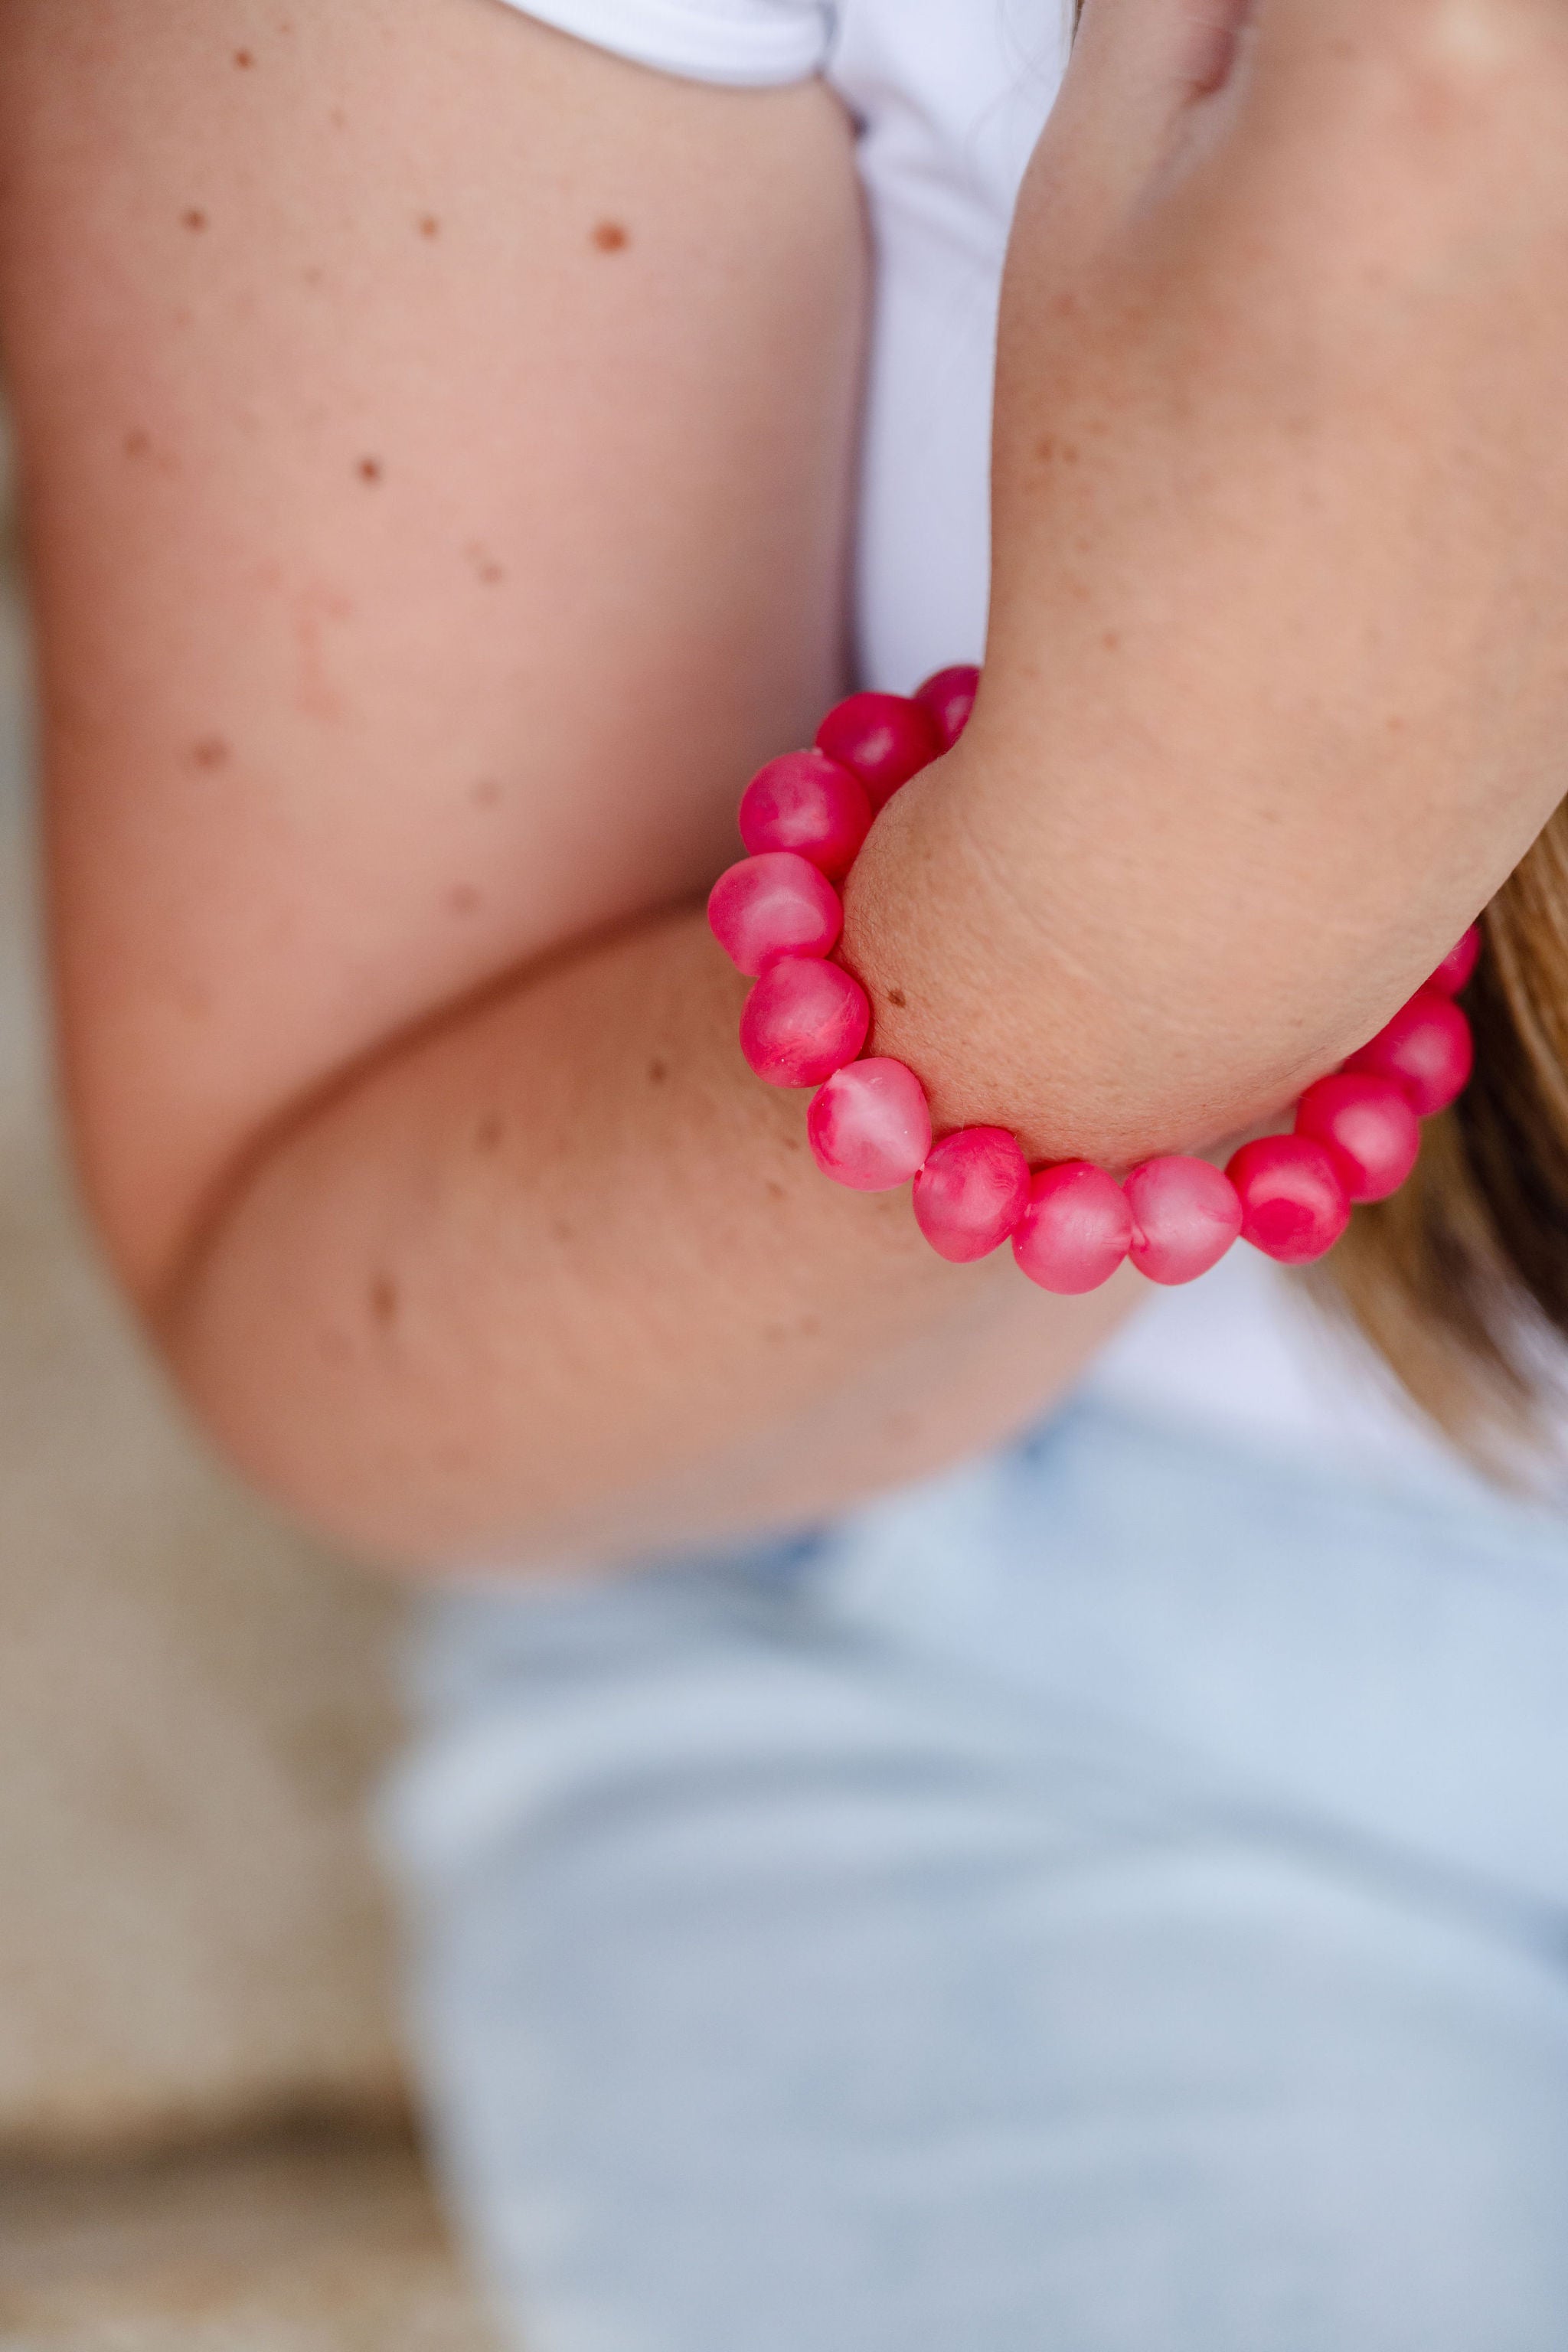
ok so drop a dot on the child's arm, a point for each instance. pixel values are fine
(1276, 694)
(422, 567)
(439, 442)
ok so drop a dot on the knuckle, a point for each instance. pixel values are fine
(1477, 85)
(1478, 45)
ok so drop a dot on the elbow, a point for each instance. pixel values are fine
(304, 1412)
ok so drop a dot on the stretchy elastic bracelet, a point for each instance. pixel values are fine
(778, 915)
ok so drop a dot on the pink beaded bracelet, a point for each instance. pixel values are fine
(778, 915)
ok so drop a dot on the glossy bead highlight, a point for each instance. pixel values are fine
(773, 906)
(1366, 1127)
(1457, 967)
(971, 1193)
(949, 696)
(808, 802)
(884, 737)
(869, 1127)
(1293, 1205)
(1076, 1230)
(1185, 1215)
(1426, 1049)
(804, 1020)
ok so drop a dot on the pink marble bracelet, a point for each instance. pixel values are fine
(778, 915)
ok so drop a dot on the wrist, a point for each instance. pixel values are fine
(1010, 964)
(874, 1124)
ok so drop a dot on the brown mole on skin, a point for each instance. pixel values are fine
(138, 445)
(896, 996)
(611, 237)
(463, 898)
(244, 59)
(383, 1301)
(369, 470)
(428, 224)
(485, 565)
(490, 1134)
(658, 1072)
(486, 793)
(210, 751)
(194, 219)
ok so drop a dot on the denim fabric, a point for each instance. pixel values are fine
(1113, 1899)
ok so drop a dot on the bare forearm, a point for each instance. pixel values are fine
(561, 1280)
(1274, 696)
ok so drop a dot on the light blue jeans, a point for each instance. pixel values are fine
(1114, 1899)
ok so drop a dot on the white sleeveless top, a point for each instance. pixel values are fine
(951, 97)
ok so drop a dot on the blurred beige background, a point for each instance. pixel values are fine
(202, 2103)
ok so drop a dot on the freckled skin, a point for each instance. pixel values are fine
(675, 468)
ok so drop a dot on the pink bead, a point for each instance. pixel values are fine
(804, 1020)
(1458, 965)
(1426, 1050)
(1367, 1128)
(808, 802)
(949, 696)
(971, 1193)
(772, 905)
(1293, 1205)
(1076, 1230)
(1185, 1215)
(885, 737)
(871, 1126)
